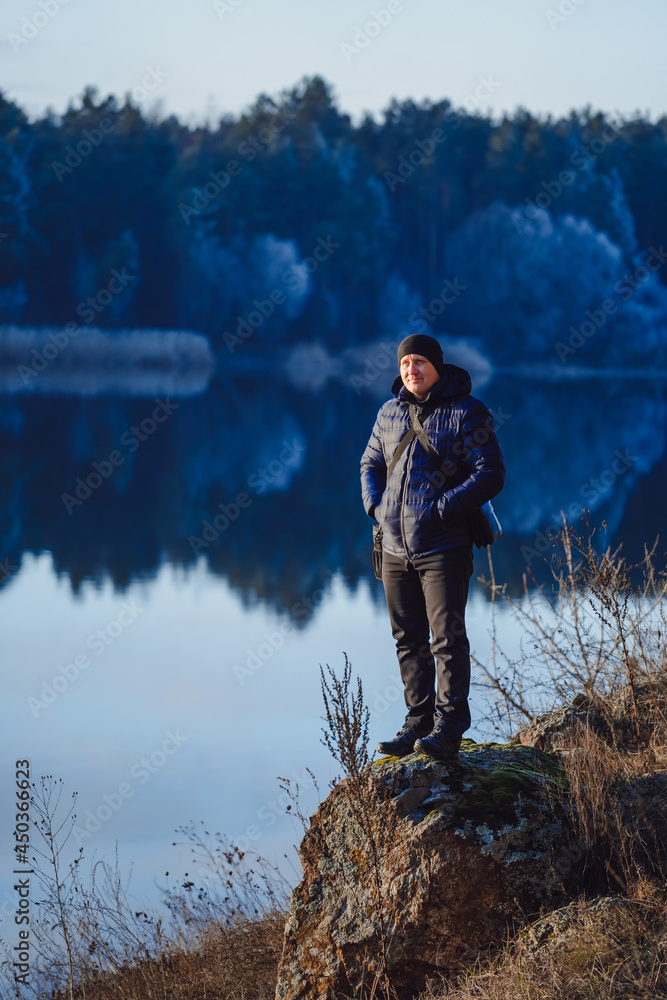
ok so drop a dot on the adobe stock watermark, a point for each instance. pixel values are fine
(565, 10)
(7, 907)
(624, 288)
(272, 475)
(386, 355)
(204, 195)
(420, 153)
(263, 139)
(88, 309)
(98, 642)
(131, 440)
(249, 149)
(225, 7)
(381, 701)
(375, 365)
(94, 137)
(448, 294)
(271, 642)
(140, 772)
(31, 26)
(592, 491)
(366, 33)
(268, 815)
(424, 148)
(459, 453)
(580, 159)
(6, 570)
(292, 279)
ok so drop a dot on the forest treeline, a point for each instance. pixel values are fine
(536, 238)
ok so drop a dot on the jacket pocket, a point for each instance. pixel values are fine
(377, 513)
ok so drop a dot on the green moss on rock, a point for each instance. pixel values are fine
(491, 784)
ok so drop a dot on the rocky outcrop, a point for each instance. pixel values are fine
(561, 930)
(459, 854)
(546, 732)
(612, 720)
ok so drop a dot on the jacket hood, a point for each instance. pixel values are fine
(454, 382)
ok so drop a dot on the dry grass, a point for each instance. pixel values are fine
(221, 936)
(618, 803)
(610, 947)
(236, 963)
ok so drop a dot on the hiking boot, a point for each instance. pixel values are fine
(402, 744)
(438, 745)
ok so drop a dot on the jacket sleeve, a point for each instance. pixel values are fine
(481, 457)
(373, 471)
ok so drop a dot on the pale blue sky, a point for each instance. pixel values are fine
(606, 52)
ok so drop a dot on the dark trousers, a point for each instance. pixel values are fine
(431, 593)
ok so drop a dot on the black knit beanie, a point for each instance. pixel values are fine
(427, 347)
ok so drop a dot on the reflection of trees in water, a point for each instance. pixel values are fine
(295, 456)
(574, 445)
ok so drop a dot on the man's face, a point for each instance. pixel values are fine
(418, 375)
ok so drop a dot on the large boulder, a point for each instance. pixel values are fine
(610, 719)
(550, 730)
(447, 858)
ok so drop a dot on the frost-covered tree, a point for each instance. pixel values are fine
(246, 286)
(552, 289)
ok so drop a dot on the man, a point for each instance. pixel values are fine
(424, 512)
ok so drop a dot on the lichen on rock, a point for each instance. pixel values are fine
(464, 851)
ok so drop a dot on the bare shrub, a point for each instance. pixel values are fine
(221, 936)
(346, 738)
(596, 635)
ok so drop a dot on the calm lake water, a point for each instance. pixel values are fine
(176, 565)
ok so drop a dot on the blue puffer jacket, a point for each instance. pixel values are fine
(422, 510)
